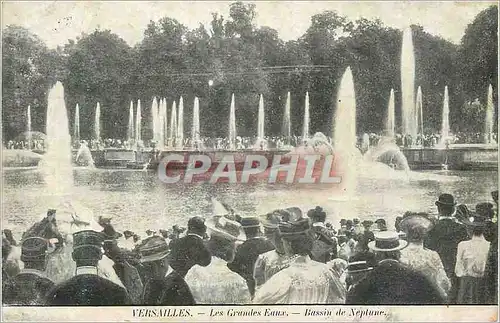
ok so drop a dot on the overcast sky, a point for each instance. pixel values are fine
(55, 22)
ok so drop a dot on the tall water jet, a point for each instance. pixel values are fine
(407, 84)
(97, 122)
(180, 125)
(260, 120)
(488, 122)
(173, 125)
(344, 134)
(57, 162)
(391, 116)
(419, 113)
(76, 125)
(138, 119)
(130, 128)
(154, 119)
(163, 123)
(305, 126)
(195, 129)
(287, 127)
(28, 126)
(445, 123)
(232, 124)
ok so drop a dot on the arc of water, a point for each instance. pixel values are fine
(391, 116)
(130, 128)
(260, 125)
(407, 84)
(232, 124)
(305, 127)
(28, 126)
(344, 134)
(195, 128)
(180, 124)
(173, 124)
(286, 120)
(76, 128)
(488, 122)
(138, 120)
(97, 122)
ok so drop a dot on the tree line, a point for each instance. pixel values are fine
(241, 58)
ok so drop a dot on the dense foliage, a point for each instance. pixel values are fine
(241, 58)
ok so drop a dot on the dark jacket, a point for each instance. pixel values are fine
(171, 290)
(27, 288)
(187, 252)
(491, 275)
(246, 256)
(88, 290)
(391, 283)
(444, 238)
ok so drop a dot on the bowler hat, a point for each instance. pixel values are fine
(387, 241)
(446, 199)
(317, 213)
(88, 239)
(485, 210)
(297, 227)
(33, 248)
(153, 248)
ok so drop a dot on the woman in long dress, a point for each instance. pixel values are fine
(419, 258)
(216, 283)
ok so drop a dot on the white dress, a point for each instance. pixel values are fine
(217, 284)
(305, 281)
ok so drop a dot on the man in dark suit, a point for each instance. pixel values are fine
(392, 283)
(165, 287)
(87, 288)
(444, 238)
(190, 249)
(248, 252)
(491, 270)
(30, 286)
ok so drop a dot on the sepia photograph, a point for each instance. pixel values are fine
(249, 160)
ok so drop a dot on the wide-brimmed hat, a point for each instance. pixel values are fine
(446, 199)
(476, 221)
(300, 226)
(485, 210)
(33, 248)
(415, 222)
(316, 213)
(219, 225)
(153, 249)
(387, 241)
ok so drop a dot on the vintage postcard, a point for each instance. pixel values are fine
(257, 161)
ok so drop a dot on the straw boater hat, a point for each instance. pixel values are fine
(153, 248)
(294, 228)
(358, 263)
(387, 241)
